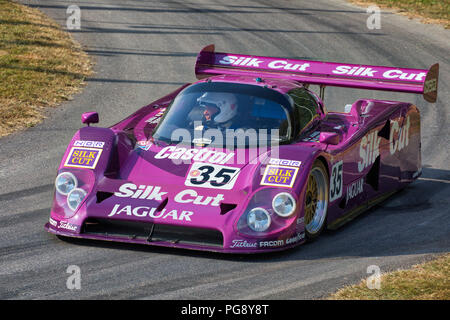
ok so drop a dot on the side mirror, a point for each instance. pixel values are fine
(89, 117)
(330, 138)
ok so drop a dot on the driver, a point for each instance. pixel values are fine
(219, 109)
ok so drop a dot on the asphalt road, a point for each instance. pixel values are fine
(143, 49)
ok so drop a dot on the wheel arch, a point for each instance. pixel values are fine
(325, 163)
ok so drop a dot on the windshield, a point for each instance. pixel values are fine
(226, 114)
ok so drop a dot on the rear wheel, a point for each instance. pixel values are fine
(316, 200)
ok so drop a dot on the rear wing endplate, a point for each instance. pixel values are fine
(419, 81)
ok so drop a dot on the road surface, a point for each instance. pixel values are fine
(143, 49)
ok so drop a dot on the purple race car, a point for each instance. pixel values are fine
(244, 160)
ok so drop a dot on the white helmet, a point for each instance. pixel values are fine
(225, 102)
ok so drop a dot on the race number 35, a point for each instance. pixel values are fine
(336, 181)
(211, 176)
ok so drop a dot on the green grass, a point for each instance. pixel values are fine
(426, 281)
(430, 11)
(40, 66)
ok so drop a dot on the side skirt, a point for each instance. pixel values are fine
(352, 214)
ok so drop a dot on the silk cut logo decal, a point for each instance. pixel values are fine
(336, 181)
(279, 176)
(211, 176)
(83, 158)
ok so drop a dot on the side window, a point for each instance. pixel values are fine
(305, 106)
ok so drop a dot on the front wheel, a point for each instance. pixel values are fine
(316, 200)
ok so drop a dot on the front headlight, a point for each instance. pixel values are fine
(283, 204)
(65, 182)
(258, 219)
(75, 197)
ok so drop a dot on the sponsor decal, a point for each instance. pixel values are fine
(145, 192)
(211, 176)
(156, 118)
(355, 189)
(130, 190)
(311, 66)
(243, 244)
(191, 196)
(278, 243)
(284, 162)
(369, 150)
(201, 155)
(67, 226)
(355, 71)
(255, 62)
(279, 176)
(369, 72)
(336, 181)
(143, 212)
(399, 136)
(241, 61)
(144, 144)
(89, 144)
(299, 237)
(274, 243)
(83, 157)
(430, 86)
(53, 222)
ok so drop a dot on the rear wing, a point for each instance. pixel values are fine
(419, 81)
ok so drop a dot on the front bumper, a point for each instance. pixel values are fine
(171, 236)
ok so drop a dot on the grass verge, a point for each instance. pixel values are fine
(426, 281)
(429, 11)
(40, 66)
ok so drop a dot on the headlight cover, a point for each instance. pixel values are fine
(251, 222)
(283, 204)
(65, 182)
(85, 182)
(75, 197)
(258, 219)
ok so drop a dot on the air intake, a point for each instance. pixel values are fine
(153, 232)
